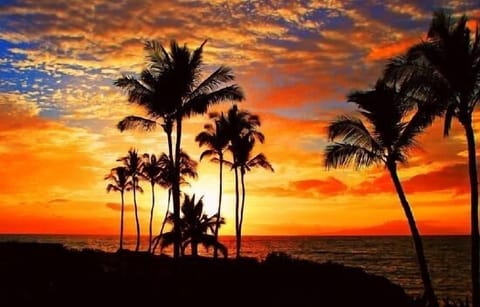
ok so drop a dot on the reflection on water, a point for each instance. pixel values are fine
(392, 257)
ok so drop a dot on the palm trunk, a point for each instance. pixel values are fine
(151, 218)
(137, 246)
(121, 221)
(417, 240)
(237, 231)
(163, 223)
(194, 248)
(176, 203)
(217, 226)
(242, 178)
(176, 191)
(472, 169)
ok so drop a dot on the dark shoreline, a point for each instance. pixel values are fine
(37, 274)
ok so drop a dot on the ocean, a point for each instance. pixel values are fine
(390, 256)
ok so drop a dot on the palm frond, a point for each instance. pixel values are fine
(136, 122)
(209, 241)
(208, 153)
(342, 155)
(423, 117)
(260, 160)
(351, 130)
(111, 187)
(167, 239)
(200, 103)
(220, 76)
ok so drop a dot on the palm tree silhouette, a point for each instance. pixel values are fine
(188, 168)
(195, 226)
(172, 88)
(240, 124)
(451, 58)
(387, 142)
(216, 138)
(119, 183)
(151, 171)
(133, 164)
(242, 151)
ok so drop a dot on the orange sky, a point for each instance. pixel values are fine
(296, 62)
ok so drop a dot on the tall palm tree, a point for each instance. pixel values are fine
(119, 182)
(244, 161)
(133, 164)
(151, 171)
(216, 138)
(171, 87)
(388, 133)
(195, 227)
(188, 168)
(240, 124)
(451, 56)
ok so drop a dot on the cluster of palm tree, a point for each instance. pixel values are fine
(171, 89)
(235, 132)
(439, 77)
(156, 171)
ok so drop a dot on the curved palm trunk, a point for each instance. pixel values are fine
(217, 226)
(472, 169)
(137, 246)
(176, 191)
(121, 220)
(237, 231)
(242, 178)
(159, 237)
(417, 240)
(151, 218)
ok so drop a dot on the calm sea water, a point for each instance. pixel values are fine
(392, 257)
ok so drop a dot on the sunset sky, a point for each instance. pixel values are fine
(296, 61)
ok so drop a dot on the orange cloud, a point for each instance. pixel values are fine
(390, 50)
(330, 186)
(452, 178)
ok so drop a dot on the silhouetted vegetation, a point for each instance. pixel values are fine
(171, 88)
(438, 77)
(387, 110)
(133, 163)
(216, 138)
(448, 65)
(50, 275)
(196, 228)
(119, 183)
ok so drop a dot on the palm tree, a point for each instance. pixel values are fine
(151, 172)
(133, 164)
(240, 124)
(171, 87)
(451, 57)
(195, 226)
(385, 138)
(216, 138)
(188, 168)
(242, 151)
(119, 183)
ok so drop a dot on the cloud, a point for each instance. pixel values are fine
(309, 188)
(118, 207)
(449, 178)
(58, 200)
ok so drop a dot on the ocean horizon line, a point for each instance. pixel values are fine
(247, 235)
